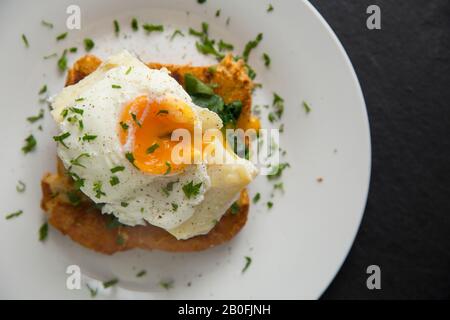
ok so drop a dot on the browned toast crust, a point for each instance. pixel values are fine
(86, 225)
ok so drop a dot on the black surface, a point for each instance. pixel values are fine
(404, 72)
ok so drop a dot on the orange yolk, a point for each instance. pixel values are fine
(149, 124)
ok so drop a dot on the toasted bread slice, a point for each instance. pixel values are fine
(86, 225)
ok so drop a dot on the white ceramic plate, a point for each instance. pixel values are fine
(297, 247)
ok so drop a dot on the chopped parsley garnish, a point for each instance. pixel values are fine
(169, 187)
(278, 105)
(128, 70)
(53, 55)
(218, 13)
(174, 206)
(124, 204)
(120, 240)
(77, 110)
(117, 169)
(306, 107)
(113, 222)
(176, 33)
(251, 45)
(116, 27)
(13, 215)
(116, 86)
(248, 261)
(235, 208)
(76, 161)
(169, 168)
(207, 47)
(192, 190)
(153, 27)
(130, 157)
(78, 182)
(47, 24)
(79, 99)
(162, 111)
(43, 232)
(114, 180)
(201, 1)
(277, 171)
(74, 198)
(92, 291)
(62, 36)
(64, 113)
(152, 148)
(169, 283)
(80, 124)
(30, 144)
(88, 137)
(269, 205)
(124, 125)
(271, 116)
(33, 119)
(73, 50)
(204, 96)
(134, 24)
(141, 273)
(279, 186)
(135, 119)
(97, 188)
(20, 187)
(266, 59)
(25, 41)
(62, 62)
(110, 283)
(223, 46)
(257, 197)
(88, 44)
(270, 8)
(43, 89)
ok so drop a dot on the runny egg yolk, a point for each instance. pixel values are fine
(149, 125)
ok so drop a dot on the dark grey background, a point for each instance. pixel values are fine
(404, 73)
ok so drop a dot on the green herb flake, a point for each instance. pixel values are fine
(88, 44)
(130, 157)
(21, 187)
(33, 119)
(235, 208)
(153, 27)
(13, 215)
(116, 27)
(25, 41)
(141, 273)
(116, 86)
(62, 36)
(47, 24)
(97, 188)
(93, 292)
(251, 45)
(306, 107)
(223, 46)
(191, 190)
(73, 50)
(169, 168)
(218, 13)
(114, 180)
(76, 161)
(117, 169)
(248, 262)
(88, 137)
(78, 182)
(113, 222)
(152, 148)
(278, 105)
(134, 24)
(124, 125)
(135, 119)
(124, 204)
(270, 8)
(176, 33)
(128, 70)
(167, 284)
(201, 1)
(43, 89)
(62, 61)
(77, 110)
(174, 206)
(30, 144)
(162, 111)
(74, 198)
(110, 283)
(269, 205)
(266, 59)
(53, 55)
(277, 171)
(257, 197)
(43, 232)
(169, 187)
